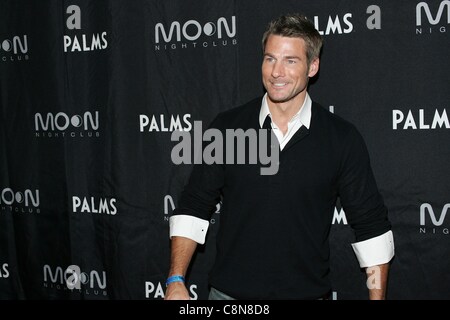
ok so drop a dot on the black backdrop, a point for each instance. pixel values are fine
(90, 91)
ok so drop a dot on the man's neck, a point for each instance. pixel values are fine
(282, 112)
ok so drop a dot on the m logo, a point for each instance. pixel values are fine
(339, 216)
(169, 205)
(437, 222)
(426, 8)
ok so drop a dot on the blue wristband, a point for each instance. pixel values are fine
(176, 278)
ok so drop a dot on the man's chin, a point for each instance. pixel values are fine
(278, 99)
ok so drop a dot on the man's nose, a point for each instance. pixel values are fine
(278, 70)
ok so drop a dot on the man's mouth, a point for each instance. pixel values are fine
(279, 84)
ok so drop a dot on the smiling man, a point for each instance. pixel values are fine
(273, 237)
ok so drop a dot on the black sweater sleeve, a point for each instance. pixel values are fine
(203, 190)
(358, 191)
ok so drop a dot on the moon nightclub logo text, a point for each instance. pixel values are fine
(63, 125)
(195, 34)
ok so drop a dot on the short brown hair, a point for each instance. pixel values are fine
(296, 25)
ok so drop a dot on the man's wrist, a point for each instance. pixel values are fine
(175, 278)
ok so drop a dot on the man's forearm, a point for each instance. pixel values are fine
(182, 250)
(377, 281)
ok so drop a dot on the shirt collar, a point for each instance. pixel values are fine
(304, 113)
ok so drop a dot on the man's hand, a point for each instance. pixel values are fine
(176, 291)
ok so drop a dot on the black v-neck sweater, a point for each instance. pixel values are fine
(273, 237)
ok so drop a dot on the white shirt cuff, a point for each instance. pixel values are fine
(189, 227)
(375, 251)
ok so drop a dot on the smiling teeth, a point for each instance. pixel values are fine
(279, 84)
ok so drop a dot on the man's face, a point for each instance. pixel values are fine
(285, 69)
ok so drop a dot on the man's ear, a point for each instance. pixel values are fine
(314, 67)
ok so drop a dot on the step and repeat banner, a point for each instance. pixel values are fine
(91, 90)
